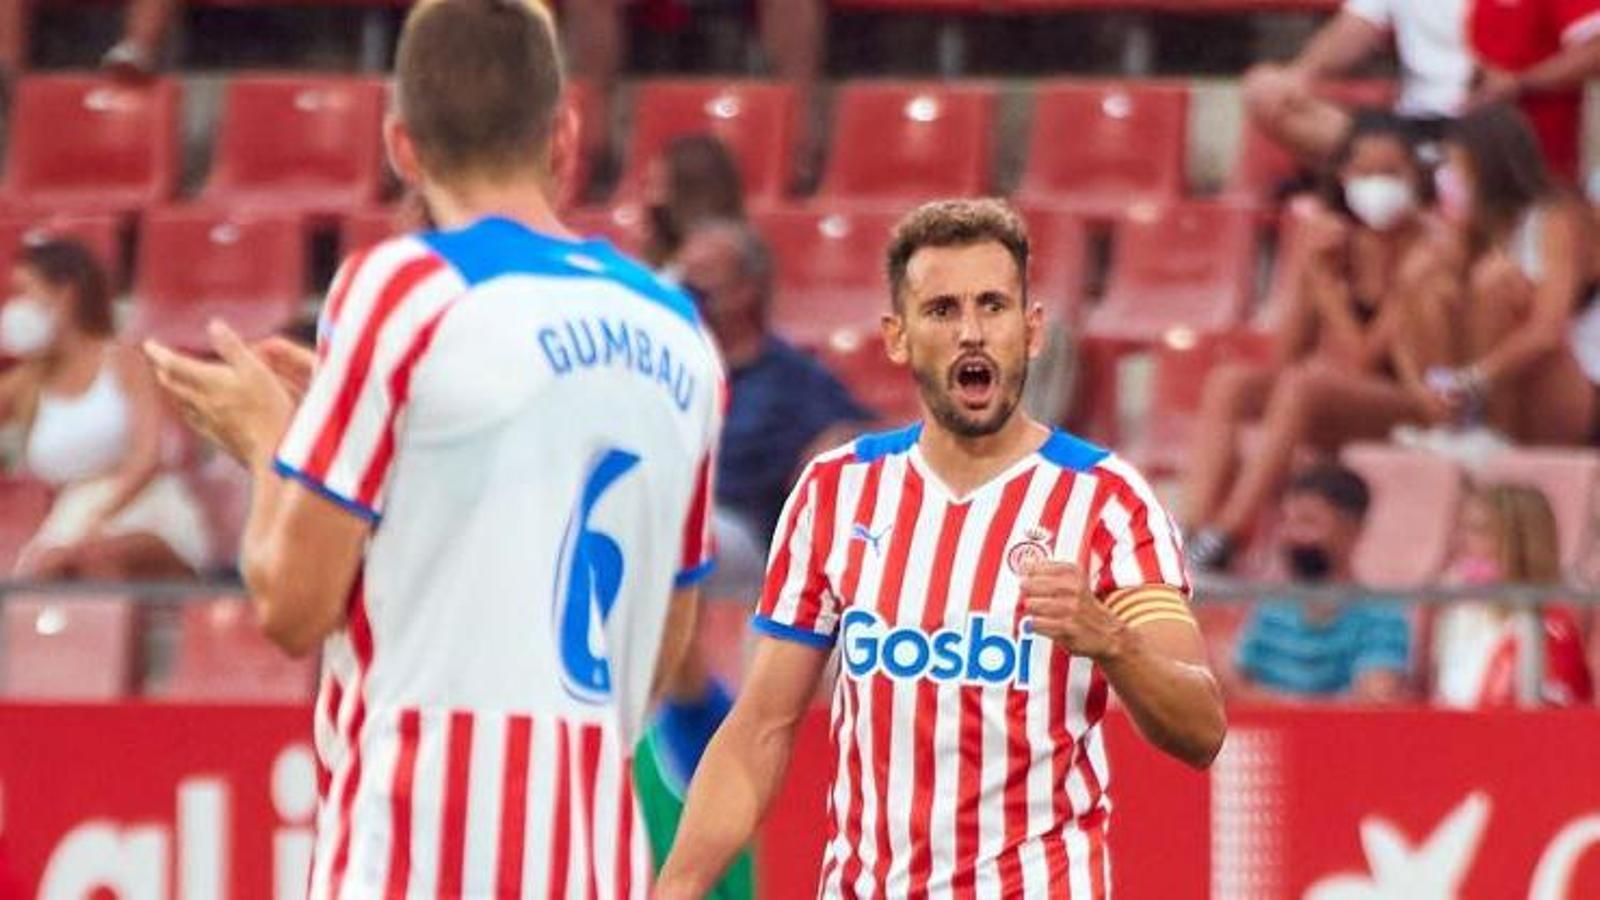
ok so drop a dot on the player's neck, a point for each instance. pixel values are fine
(965, 464)
(523, 199)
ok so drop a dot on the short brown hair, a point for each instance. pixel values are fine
(65, 263)
(956, 223)
(478, 84)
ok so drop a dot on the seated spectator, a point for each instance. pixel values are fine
(91, 421)
(694, 180)
(1506, 535)
(1320, 650)
(1335, 379)
(1492, 324)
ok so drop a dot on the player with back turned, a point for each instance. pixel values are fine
(986, 581)
(490, 505)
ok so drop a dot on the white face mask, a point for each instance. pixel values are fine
(1380, 201)
(26, 327)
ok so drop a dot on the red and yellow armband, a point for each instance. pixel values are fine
(1150, 603)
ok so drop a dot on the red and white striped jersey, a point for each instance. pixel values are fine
(969, 754)
(529, 423)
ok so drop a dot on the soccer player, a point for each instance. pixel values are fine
(489, 506)
(986, 582)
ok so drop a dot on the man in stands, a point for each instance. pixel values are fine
(1321, 649)
(491, 505)
(1454, 54)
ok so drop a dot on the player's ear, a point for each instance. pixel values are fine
(893, 327)
(402, 151)
(1036, 326)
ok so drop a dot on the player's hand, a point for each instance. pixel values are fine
(236, 402)
(1056, 595)
(291, 362)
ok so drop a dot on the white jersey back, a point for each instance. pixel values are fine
(530, 424)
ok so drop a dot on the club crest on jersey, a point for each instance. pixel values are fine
(1033, 548)
(974, 654)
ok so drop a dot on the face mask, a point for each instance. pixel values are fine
(1455, 194)
(1478, 570)
(1379, 201)
(26, 327)
(1308, 562)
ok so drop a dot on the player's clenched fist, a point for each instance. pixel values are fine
(1056, 595)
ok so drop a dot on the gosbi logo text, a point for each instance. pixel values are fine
(974, 654)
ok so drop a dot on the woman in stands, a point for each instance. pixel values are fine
(1506, 535)
(1502, 346)
(90, 421)
(694, 180)
(1334, 378)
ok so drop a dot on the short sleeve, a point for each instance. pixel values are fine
(1385, 642)
(797, 603)
(378, 323)
(1579, 21)
(1136, 559)
(1378, 12)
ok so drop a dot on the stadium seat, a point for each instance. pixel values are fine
(830, 271)
(24, 503)
(1182, 269)
(1409, 526)
(1059, 261)
(755, 119)
(98, 232)
(365, 227)
(621, 225)
(860, 361)
(299, 144)
(904, 142)
(1568, 478)
(83, 144)
(1179, 384)
(196, 265)
(223, 657)
(1128, 145)
(68, 648)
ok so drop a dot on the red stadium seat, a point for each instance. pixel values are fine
(366, 227)
(1178, 270)
(621, 225)
(223, 656)
(83, 144)
(830, 271)
(1408, 530)
(1059, 261)
(24, 503)
(756, 120)
(60, 648)
(860, 361)
(1099, 148)
(196, 265)
(903, 142)
(1567, 477)
(98, 232)
(1180, 380)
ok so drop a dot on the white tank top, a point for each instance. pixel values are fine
(1527, 248)
(80, 438)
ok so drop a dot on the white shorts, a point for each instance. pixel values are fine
(165, 509)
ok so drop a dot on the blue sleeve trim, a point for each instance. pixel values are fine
(358, 510)
(774, 628)
(692, 577)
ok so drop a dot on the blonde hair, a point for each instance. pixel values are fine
(1525, 528)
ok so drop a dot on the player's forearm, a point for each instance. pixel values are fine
(1177, 705)
(741, 770)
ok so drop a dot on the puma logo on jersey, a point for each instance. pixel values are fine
(859, 532)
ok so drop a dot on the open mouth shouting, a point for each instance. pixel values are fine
(974, 380)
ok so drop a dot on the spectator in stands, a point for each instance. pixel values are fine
(1323, 650)
(792, 33)
(694, 180)
(1455, 55)
(1336, 378)
(1493, 328)
(1506, 535)
(92, 423)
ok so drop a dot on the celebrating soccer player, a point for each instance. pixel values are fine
(497, 477)
(986, 581)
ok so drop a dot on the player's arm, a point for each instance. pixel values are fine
(1146, 643)
(743, 767)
